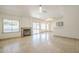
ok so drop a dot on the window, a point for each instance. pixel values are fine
(10, 25)
(36, 27)
(47, 25)
(43, 26)
(40, 27)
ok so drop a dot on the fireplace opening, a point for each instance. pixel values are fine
(25, 31)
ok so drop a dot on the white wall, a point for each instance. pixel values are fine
(71, 23)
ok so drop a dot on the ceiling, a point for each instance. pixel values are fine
(33, 10)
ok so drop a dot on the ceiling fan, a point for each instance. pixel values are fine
(41, 10)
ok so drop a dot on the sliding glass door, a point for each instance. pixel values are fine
(35, 28)
(39, 27)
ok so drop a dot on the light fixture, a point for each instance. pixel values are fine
(40, 8)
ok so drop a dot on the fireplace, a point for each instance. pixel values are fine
(25, 31)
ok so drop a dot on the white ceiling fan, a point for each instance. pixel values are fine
(41, 10)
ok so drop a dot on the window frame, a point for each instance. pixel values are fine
(9, 32)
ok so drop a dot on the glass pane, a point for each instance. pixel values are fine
(36, 28)
(43, 26)
(47, 27)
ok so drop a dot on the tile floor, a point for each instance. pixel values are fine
(40, 43)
